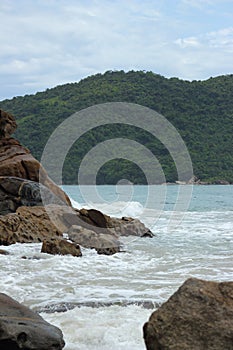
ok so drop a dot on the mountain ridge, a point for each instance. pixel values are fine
(201, 111)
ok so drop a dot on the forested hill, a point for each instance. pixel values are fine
(202, 111)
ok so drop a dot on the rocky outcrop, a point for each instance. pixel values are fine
(56, 246)
(25, 189)
(16, 192)
(220, 182)
(28, 224)
(125, 226)
(7, 124)
(199, 316)
(17, 161)
(21, 328)
(103, 243)
(38, 223)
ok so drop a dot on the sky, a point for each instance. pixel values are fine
(45, 43)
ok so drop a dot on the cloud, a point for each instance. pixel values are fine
(187, 42)
(46, 43)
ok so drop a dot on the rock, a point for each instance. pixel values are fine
(58, 246)
(199, 316)
(28, 224)
(7, 124)
(125, 226)
(221, 182)
(17, 161)
(103, 243)
(4, 252)
(21, 328)
(193, 181)
(36, 223)
(16, 192)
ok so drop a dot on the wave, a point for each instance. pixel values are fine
(66, 306)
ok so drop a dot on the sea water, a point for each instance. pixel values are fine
(101, 298)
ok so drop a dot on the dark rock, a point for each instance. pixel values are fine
(199, 316)
(16, 192)
(4, 252)
(21, 328)
(221, 182)
(58, 246)
(65, 306)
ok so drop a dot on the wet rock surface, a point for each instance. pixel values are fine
(56, 246)
(21, 328)
(199, 316)
(33, 208)
(103, 243)
(65, 306)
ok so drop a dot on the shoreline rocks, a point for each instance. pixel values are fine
(56, 246)
(35, 224)
(199, 316)
(34, 209)
(16, 192)
(17, 161)
(21, 328)
(27, 225)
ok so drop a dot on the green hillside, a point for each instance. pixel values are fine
(202, 112)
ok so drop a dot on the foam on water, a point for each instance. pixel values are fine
(114, 328)
(149, 270)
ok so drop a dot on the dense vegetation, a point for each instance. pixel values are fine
(202, 112)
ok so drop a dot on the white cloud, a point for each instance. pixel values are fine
(46, 43)
(187, 42)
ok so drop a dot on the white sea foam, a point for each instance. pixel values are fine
(114, 327)
(149, 269)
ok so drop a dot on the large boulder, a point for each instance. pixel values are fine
(56, 246)
(103, 243)
(199, 316)
(17, 161)
(16, 192)
(21, 328)
(125, 226)
(28, 224)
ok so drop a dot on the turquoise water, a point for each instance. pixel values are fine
(203, 198)
(199, 245)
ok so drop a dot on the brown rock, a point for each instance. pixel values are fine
(17, 161)
(199, 316)
(103, 243)
(21, 328)
(125, 226)
(4, 252)
(58, 246)
(28, 224)
(7, 124)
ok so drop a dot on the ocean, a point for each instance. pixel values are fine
(101, 302)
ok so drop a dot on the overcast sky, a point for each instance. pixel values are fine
(45, 43)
